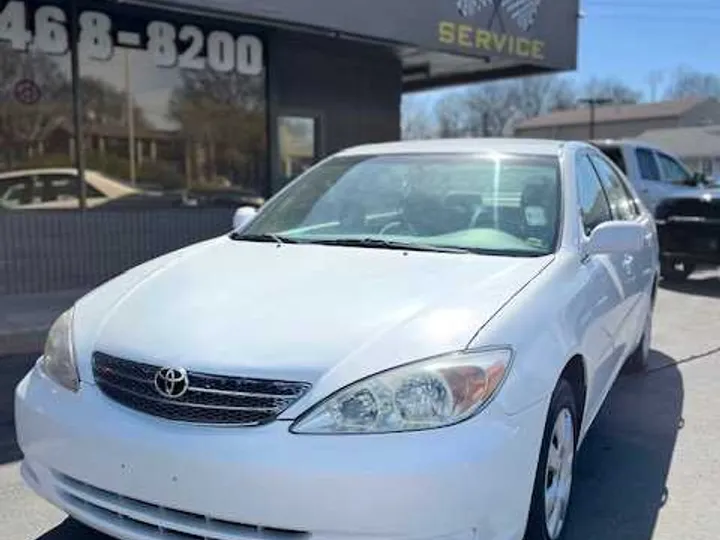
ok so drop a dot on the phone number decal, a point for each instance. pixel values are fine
(169, 45)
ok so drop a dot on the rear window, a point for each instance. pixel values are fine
(615, 155)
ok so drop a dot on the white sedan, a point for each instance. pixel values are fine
(410, 341)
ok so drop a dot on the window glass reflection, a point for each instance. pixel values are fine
(35, 91)
(174, 103)
(297, 145)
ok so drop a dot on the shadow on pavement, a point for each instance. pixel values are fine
(12, 370)
(72, 530)
(706, 285)
(623, 465)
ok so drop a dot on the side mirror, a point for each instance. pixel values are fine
(243, 216)
(616, 237)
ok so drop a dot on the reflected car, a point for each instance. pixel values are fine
(57, 189)
(411, 341)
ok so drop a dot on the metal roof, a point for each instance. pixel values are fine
(614, 113)
(686, 142)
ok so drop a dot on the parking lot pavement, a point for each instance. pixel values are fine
(649, 469)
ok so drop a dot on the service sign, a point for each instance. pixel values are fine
(33, 26)
(539, 32)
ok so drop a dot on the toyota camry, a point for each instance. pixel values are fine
(409, 341)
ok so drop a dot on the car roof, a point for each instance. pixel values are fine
(635, 143)
(539, 147)
(49, 170)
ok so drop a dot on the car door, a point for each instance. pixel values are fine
(602, 294)
(635, 269)
(649, 178)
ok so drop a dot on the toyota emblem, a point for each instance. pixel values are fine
(172, 383)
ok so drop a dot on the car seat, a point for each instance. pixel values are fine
(538, 204)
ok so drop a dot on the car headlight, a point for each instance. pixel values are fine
(432, 393)
(58, 360)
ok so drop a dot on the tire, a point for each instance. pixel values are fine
(676, 271)
(637, 362)
(562, 414)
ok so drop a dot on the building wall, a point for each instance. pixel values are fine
(707, 113)
(614, 130)
(352, 89)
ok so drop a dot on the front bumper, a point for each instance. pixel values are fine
(137, 477)
(690, 241)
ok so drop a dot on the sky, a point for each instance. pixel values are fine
(630, 39)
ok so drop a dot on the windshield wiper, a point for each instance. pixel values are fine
(387, 244)
(266, 237)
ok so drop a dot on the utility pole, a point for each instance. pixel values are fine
(77, 104)
(130, 117)
(592, 103)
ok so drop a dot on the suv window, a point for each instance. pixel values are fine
(672, 170)
(621, 201)
(615, 154)
(594, 207)
(648, 166)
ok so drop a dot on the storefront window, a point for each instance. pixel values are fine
(173, 102)
(35, 90)
(170, 102)
(298, 145)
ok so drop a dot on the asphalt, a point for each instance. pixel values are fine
(649, 469)
(25, 319)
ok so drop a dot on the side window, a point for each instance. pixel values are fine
(63, 187)
(621, 201)
(671, 169)
(594, 207)
(615, 154)
(648, 166)
(21, 191)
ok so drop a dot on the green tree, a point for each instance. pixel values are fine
(226, 114)
(24, 123)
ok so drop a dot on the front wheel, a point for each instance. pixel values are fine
(637, 362)
(674, 270)
(554, 475)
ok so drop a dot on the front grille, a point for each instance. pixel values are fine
(138, 519)
(689, 208)
(210, 399)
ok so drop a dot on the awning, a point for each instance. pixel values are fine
(441, 42)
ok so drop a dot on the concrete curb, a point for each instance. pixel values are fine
(25, 342)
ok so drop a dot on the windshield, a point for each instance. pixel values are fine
(505, 204)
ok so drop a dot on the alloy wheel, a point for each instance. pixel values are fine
(559, 473)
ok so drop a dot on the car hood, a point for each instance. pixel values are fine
(295, 311)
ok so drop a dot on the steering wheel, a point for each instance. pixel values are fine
(498, 221)
(395, 224)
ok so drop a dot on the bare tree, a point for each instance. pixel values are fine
(655, 79)
(452, 116)
(225, 113)
(105, 105)
(494, 107)
(416, 122)
(688, 83)
(612, 89)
